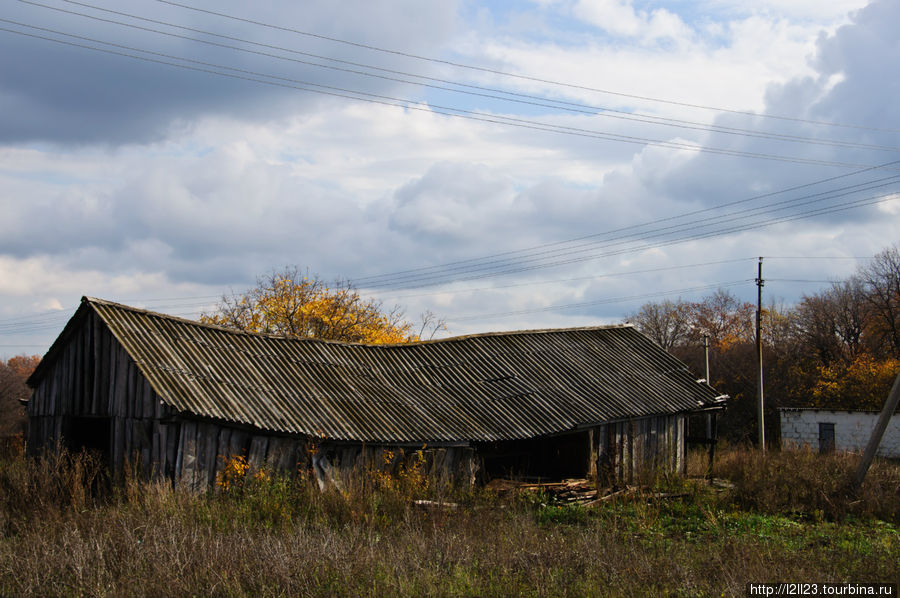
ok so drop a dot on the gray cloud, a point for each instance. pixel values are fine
(212, 201)
(73, 95)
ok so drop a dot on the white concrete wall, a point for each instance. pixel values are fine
(852, 430)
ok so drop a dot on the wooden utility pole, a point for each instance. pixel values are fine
(890, 405)
(762, 420)
(706, 356)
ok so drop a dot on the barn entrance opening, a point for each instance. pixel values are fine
(90, 433)
(550, 458)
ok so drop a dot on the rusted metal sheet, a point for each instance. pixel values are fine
(480, 388)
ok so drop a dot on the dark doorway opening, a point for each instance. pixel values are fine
(826, 437)
(90, 433)
(550, 458)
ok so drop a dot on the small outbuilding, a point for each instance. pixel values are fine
(179, 397)
(827, 430)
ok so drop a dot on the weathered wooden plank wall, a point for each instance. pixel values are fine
(204, 448)
(625, 451)
(443, 466)
(94, 378)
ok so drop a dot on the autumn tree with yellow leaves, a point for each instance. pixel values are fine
(838, 348)
(294, 304)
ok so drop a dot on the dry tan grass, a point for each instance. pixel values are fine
(65, 534)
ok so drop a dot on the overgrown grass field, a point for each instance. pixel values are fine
(65, 531)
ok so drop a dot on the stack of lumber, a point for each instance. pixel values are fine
(575, 491)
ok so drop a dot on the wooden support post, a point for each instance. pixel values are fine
(890, 405)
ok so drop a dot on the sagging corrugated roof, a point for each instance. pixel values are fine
(489, 387)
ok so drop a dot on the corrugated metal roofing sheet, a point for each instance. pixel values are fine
(487, 387)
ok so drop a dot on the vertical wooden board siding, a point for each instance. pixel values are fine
(302, 457)
(212, 444)
(51, 390)
(121, 388)
(132, 394)
(118, 444)
(149, 402)
(98, 361)
(292, 456)
(204, 431)
(128, 434)
(88, 369)
(188, 454)
(591, 465)
(83, 405)
(603, 453)
(680, 457)
(146, 431)
(202, 455)
(630, 434)
(223, 451)
(54, 390)
(102, 380)
(238, 444)
(257, 454)
(68, 365)
(676, 461)
(638, 432)
(616, 439)
(173, 439)
(275, 453)
(159, 408)
(620, 451)
(78, 397)
(75, 389)
(74, 382)
(158, 452)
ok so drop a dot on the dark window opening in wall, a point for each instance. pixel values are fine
(826, 437)
(91, 433)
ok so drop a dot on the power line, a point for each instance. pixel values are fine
(696, 237)
(623, 239)
(524, 251)
(576, 279)
(512, 75)
(515, 97)
(334, 91)
(599, 301)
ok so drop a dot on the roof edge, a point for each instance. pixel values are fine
(50, 356)
(98, 301)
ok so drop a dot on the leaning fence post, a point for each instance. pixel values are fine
(890, 405)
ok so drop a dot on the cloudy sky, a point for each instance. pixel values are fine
(505, 165)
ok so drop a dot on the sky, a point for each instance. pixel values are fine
(504, 165)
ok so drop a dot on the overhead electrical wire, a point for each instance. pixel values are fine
(565, 253)
(49, 320)
(451, 111)
(695, 237)
(532, 283)
(39, 321)
(514, 97)
(374, 279)
(335, 91)
(508, 74)
(606, 301)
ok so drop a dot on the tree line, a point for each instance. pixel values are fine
(13, 374)
(838, 348)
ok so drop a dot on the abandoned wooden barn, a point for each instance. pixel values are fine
(179, 397)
